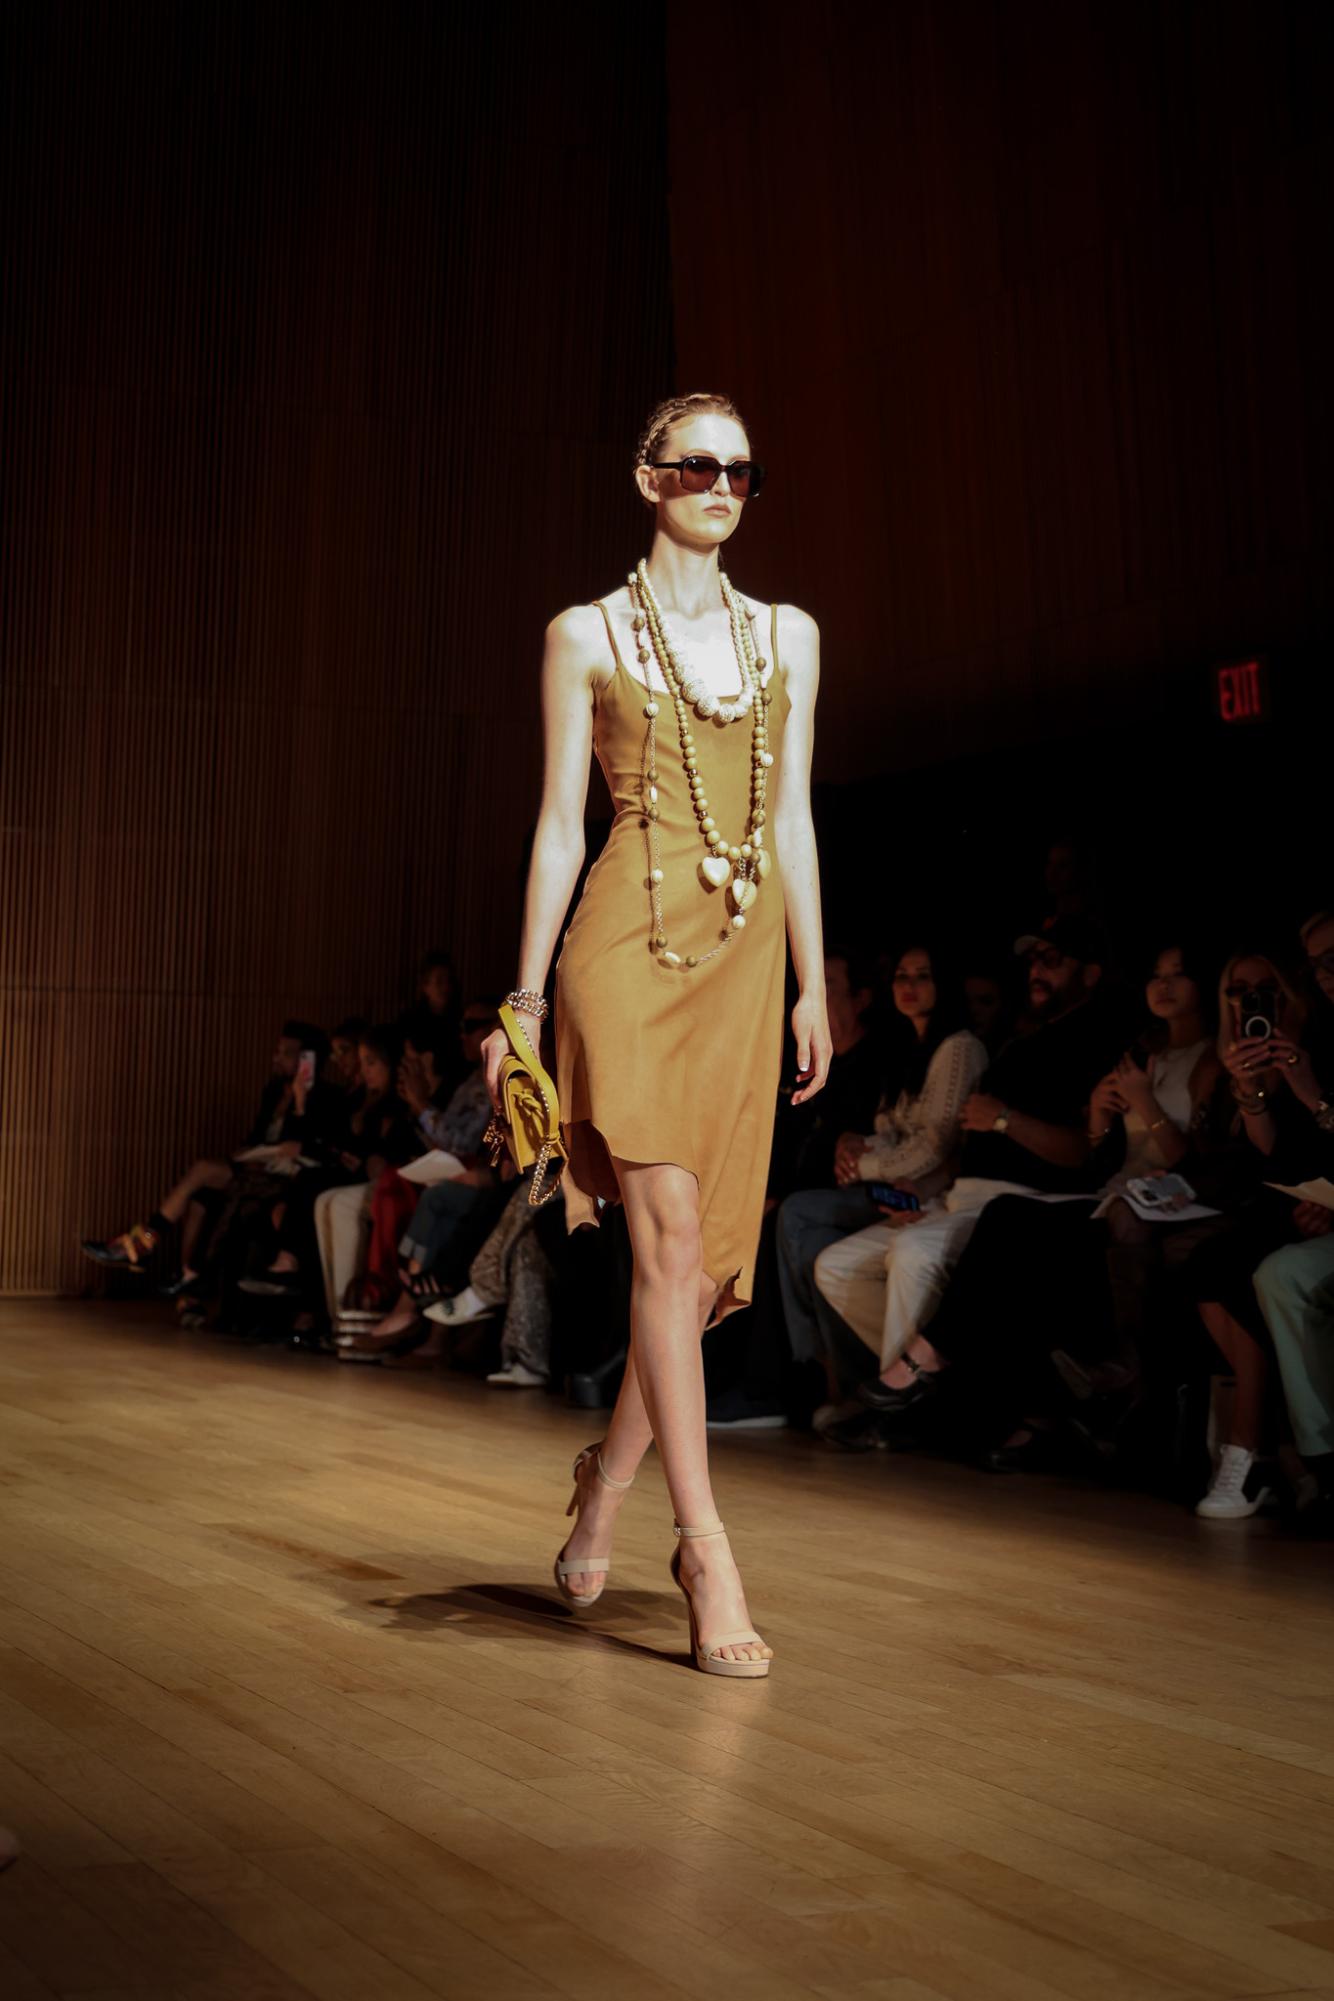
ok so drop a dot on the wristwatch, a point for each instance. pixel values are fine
(1001, 1122)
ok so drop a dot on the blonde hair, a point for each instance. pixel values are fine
(1293, 999)
(673, 410)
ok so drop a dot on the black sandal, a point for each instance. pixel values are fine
(878, 1395)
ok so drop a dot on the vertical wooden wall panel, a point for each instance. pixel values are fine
(1029, 305)
(326, 333)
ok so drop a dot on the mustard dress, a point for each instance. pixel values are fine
(669, 1063)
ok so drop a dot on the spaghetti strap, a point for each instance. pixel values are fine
(606, 619)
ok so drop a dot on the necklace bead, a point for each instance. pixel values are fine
(740, 865)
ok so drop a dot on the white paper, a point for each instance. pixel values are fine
(1319, 1190)
(432, 1167)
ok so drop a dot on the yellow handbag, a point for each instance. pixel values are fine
(528, 1123)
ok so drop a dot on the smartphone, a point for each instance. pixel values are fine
(892, 1198)
(305, 1069)
(1162, 1191)
(1258, 1013)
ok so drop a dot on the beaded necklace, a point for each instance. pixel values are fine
(744, 865)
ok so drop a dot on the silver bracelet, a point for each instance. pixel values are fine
(529, 1001)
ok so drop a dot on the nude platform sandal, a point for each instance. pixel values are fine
(706, 1654)
(580, 1600)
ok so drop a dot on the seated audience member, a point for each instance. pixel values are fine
(1262, 1042)
(984, 994)
(512, 1277)
(291, 1116)
(380, 1133)
(1023, 1133)
(1157, 1109)
(432, 1022)
(805, 1140)
(936, 1064)
(448, 1211)
(1295, 1284)
(344, 1066)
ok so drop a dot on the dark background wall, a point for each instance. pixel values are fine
(1033, 304)
(326, 333)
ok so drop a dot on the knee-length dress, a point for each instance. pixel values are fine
(674, 1063)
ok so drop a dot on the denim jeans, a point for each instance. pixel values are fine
(807, 1222)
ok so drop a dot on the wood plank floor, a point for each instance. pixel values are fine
(289, 1707)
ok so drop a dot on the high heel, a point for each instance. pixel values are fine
(706, 1653)
(591, 1454)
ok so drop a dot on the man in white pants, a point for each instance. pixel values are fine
(1024, 1134)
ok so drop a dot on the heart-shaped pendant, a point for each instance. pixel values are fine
(762, 862)
(714, 870)
(744, 892)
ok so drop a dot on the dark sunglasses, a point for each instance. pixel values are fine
(1321, 962)
(1049, 957)
(700, 472)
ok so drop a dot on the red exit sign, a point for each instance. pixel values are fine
(1242, 691)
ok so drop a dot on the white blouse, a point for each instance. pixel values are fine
(918, 1136)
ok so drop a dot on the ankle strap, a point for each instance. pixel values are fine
(679, 1528)
(605, 1476)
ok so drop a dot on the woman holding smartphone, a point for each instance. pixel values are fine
(1262, 1022)
(699, 704)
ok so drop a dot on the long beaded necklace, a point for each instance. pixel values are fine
(744, 865)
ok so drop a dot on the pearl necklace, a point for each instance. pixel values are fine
(744, 865)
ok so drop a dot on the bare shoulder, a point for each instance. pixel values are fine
(575, 631)
(799, 651)
(798, 634)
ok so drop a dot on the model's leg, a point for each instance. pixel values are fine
(629, 1435)
(671, 1297)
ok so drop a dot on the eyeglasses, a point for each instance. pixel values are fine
(1322, 962)
(700, 472)
(1047, 956)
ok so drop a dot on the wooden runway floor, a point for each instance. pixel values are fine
(289, 1707)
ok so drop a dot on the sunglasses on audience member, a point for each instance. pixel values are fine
(1321, 962)
(1047, 956)
(471, 1023)
(699, 474)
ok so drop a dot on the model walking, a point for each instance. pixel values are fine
(669, 987)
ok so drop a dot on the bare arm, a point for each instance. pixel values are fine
(558, 840)
(794, 847)
(567, 738)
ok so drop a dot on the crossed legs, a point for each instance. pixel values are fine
(662, 1394)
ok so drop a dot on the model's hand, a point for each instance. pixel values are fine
(810, 1026)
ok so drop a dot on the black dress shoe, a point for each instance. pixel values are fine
(855, 1434)
(878, 1395)
(1038, 1453)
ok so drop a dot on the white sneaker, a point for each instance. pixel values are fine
(458, 1309)
(1227, 1499)
(517, 1377)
